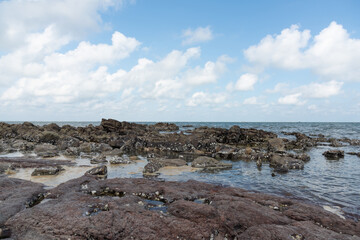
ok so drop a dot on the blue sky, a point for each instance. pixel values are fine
(64, 60)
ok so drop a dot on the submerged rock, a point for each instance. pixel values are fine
(334, 154)
(210, 163)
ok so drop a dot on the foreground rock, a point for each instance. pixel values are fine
(15, 194)
(334, 154)
(88, 208)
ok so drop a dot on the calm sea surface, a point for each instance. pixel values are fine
(329, 183)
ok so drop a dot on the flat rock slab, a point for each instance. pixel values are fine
(14, 195)
(88, 208)
(24, 162)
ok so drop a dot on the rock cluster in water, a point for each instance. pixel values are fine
(161, 140)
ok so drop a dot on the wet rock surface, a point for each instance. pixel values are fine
(14, 194)
(89, 208)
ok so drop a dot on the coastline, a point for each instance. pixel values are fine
(203, 149)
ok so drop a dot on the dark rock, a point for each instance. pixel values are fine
(98, 159)
(5, 232)
(210, 163)
(165, 127)
(25, 162)
(151, 168)
(155, 164)
(49, 137)
(102, 171)
(71, 152)
(283, 164)
(354, 153)
(47, 171)
(276, 145)
(334, 154)
(119, 160)
(52, 127)
(46, 150)
(111, 125)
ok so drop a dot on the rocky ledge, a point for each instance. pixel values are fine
(90, 207)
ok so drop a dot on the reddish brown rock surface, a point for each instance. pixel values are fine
(89, 208)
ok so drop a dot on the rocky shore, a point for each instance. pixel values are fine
(93, 207)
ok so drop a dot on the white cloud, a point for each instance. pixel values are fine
(251, 100)
(61, 78)
(18, 18)
(321, 90)
(281, 50)
(207, 74)
(292, 99)
(332, 53)
(279, 87)
(246, 82)
(202, 98)
(200, 34)
(87, 55)
(298, 96)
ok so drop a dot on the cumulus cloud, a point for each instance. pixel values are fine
(18, 18)
(200, 34)
(292, 99)
(207, 74)
(206, 99)
(246, 82)
(299, 95)
(332, 53)
(321, 90)
(251, 100)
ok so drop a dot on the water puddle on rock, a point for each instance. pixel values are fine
(51, 180)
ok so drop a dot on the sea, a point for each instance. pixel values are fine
(333, 184)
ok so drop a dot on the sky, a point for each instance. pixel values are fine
(180, 60)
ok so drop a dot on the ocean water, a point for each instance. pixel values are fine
(331, 183)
